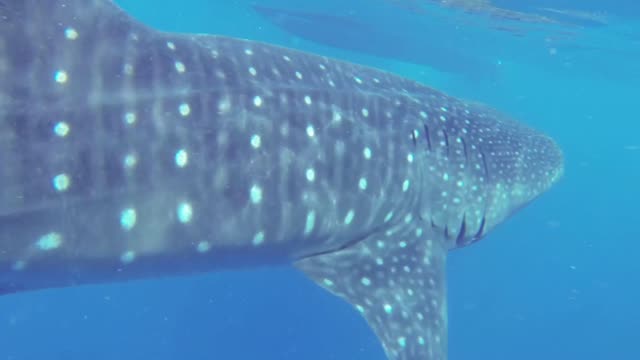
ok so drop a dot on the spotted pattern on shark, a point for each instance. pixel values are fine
(132, 153)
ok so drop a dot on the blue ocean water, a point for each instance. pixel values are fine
(557, 281)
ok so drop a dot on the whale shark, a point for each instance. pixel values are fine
(130, 153)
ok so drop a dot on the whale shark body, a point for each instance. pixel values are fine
(130, 153)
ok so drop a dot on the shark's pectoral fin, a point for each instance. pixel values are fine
(398, 283)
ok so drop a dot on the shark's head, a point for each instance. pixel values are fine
(481, 172)
(533, 163)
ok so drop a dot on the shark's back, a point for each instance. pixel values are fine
(88, 90)
(128, 153)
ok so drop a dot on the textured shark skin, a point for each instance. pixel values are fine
(131, 153)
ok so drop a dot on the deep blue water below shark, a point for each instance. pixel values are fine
(557, 281)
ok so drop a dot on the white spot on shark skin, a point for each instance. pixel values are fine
(310, 131)
(130, 161)
(128, 218)
(61, 129)
(258, 238)
(171, 45)
(328, 282)
(256, 194)
(203, 247)
(128, 257)
(61, 182)
(256, 141)
(365, 281)
(336, 116)
(311, 175)
(405, 185)
(310, 223)
(182, 158)
(298, 75)
(180, 67)
(249, 52)
(184, 109)
(184, 212)
(365, 112)
(130, 118)
(224, 105)
(307, 100)
(257, 101)
(349, 217)
(367, 153)
(128, 69)
(416, 134)
(388, 308)
(362, 184)
(402, 341)
(253, 71)
(61, 77)
(50, 241)
(71, 33)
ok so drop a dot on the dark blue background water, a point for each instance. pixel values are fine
(558, 281)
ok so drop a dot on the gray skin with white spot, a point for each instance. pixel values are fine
(129, 153)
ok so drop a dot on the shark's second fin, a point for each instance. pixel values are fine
(398, 284)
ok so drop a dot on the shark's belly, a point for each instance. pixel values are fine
(179, 228)
(165, 233)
